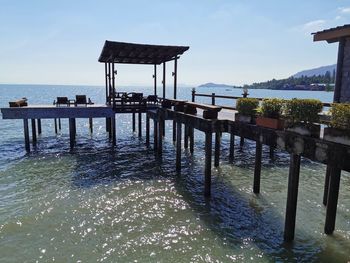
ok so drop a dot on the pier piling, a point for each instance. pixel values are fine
(191, 140)
(155, 134)
(186, 136)
(257, 169)
(174, 131)
(59, 124)
(207, 172)
(241, 142)
(55, 121)
(147, 130)
(160, 137)
(232, 147)
(71, 132)
(326, 185)
(292, 197)
(133, 122)
(34, 132)
(114, 131)
(26, 134)
(217, 149)
(332, 201)
(91, 125)
(178, 146)
(140, 124)
(39, 126)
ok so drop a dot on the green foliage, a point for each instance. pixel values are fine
(247, 106)
(340, 117)
(303, 110)
(272, 108)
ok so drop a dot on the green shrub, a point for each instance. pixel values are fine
(303, 110)
(247, 106)
(272, 108)
(340, 117)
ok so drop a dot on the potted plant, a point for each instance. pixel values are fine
(246, 108)
(269, 114)
(302, 114)
(339, 130)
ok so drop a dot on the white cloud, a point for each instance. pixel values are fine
(313, 26)
(344, 10)
(338, 17)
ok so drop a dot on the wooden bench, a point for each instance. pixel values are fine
(210, 111)
(18, 103)
(178, 104)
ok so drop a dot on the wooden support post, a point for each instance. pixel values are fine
(59, 124)
(140, 124)
(174, 130)
(133, 122)
(147, 130)
(39, 126)
(114, 132)
(272, 153)
(207, 172)
(55, 121)
(193, 95)
(91, 125)
(33, 132)
(326, 185)
(107, 124)
(217, 149)
(191, 140)
(178, 146)
(232, 147)
(160, 137)
(71, 133)
(155, 133)
(185, 136)
(163, 129)
(164, 71)
(155, 79)
(26, 134)
(257, 170)
(110, 129)
(75, 128)
(332, 201)
(241, 143)
(292, 197)
(213, 99)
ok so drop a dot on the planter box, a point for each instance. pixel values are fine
(312, 130)
(244, 118)
(271, 123)
(166, 104)
(337, 136)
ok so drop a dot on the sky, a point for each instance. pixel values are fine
(234, 42)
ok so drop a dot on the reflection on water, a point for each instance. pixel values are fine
(125, 205)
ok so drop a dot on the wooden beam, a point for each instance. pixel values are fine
(292, 197)
(332, 35)
(339, 71)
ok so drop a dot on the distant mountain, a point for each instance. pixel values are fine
(215, 85)
(315, 71)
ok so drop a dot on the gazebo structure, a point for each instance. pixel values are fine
(130, 53)
(339, 34)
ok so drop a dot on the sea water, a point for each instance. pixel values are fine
(97, 203)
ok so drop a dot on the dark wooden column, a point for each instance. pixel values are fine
(140, 124)
(241, 142)
(174, 130)
(59, 124)
(232, 147)
(155, 79)
(71, 132)
(133, 122)
(164, 73)
(91, 125)
(186, 136)
(207, 169)
(178, 146)
(55, 123)
(155, 134)
(147, 129)
(292, 197)
(114, 131)
(106, 82)
(326, 185)
(39, 126)
(109, 83)
(217, 149)
(113, 84)
(257, 170)
(272, 153)
(26, 135)
(160, 137)
(191, 140)
(332, 201)
(339, 72)
(34, 131)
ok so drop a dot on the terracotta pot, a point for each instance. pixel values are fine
(336, 135)
(271, 123)
(312, 130)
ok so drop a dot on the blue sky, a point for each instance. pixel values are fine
(233, 42)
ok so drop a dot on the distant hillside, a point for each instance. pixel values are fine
(316, 71)
(211, 85)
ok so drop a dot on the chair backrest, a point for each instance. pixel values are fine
(80, 99)
(62, 100)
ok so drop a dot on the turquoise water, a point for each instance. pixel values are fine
(125, 205)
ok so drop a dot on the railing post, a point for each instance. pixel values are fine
(213, 99)
(193, 94)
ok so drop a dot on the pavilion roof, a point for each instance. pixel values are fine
(131, 53)
(332, 34)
